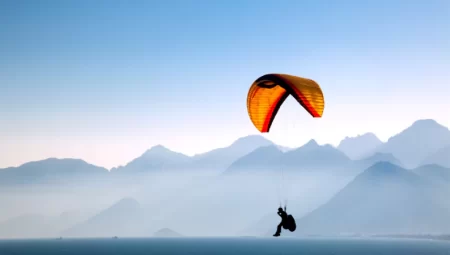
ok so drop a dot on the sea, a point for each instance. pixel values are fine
(222, 246)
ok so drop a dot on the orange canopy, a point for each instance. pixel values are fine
(267, 94)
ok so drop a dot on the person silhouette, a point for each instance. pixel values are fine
(282, 213)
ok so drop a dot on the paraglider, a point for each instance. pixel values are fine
(264, 99)
(287, 221)
(267, 94)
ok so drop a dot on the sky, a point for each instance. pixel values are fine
(106, 80)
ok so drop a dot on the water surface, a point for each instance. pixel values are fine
(222, 246)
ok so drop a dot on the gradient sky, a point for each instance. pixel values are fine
(105, 80)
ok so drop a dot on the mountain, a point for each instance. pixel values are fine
(166, 232)
(308, 157)
(315, 156)
(262, 159)
(283, 148)
(160, 158)
(222, 158)
(384, 199)
(50, 171)
(375, 158)
(439, 178)
(417, 142)
(434, 172)
(441, 157)
(156, 158)
(124, 218)
(357, 147)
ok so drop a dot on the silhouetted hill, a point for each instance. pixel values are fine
(50, 171)
(441, 157)
(220, 159)
(156, 158)
(359, 146)
(417, 142)
(125, 218)
(384, 199)
(166, 232)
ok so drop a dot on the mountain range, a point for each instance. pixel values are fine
(384, 198)
(396, 186)
(424, 142)
(356, 147)
(51, 171)
(419, 142)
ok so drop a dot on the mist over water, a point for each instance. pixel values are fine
(193, 204)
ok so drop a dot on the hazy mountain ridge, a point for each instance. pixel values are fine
(262, 159)
(419, 203)
(357, 147)
(417, 142)
(308, 157)
(440, 157)
(386, 199)
(222, 158)
(50, 170)
(156, 158)
(377, 157)
(160, 158)
(312, 155)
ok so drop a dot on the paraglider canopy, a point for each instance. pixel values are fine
(268, 92)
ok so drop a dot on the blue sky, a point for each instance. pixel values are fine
(106, 80)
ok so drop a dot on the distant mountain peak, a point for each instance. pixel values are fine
(382, 168)
(423, 125)
(158, 148)
(260, 158)
(365, 135)
(425, 122)
(251, 139)
(311, 144)
(359, 146)
(417, 142)
(440, 157)
(57, 160)
(383, 164)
